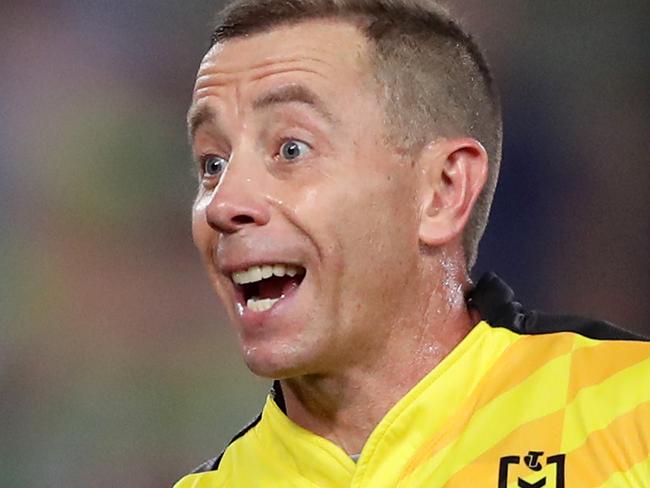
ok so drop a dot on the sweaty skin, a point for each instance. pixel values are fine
(376, 310)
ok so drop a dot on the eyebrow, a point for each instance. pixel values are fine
(198, 116)
(294, 94)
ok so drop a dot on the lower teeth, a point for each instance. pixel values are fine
(260, 305)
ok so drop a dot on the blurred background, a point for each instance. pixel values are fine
(117, 367)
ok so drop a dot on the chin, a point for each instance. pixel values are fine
(275, 362)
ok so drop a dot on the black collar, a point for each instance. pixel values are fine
(496, 303)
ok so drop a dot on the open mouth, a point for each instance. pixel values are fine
(260, 287)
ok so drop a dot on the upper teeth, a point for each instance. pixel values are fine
(259, 273)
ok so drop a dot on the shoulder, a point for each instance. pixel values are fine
(213, 463)
(496, 303)
(207, 479)
(207, 474)
(585, 358)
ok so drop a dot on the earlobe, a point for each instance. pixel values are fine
(454, 173)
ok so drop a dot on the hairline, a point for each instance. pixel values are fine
(373, 69)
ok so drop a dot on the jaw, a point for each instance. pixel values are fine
(274, 341)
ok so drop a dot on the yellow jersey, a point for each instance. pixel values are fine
(502, 410)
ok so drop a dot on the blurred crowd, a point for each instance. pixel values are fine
(117, 366)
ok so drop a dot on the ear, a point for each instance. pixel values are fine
(454, 172)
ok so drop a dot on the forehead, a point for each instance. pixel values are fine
(330, 50)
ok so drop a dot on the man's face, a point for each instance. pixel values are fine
(298, 178)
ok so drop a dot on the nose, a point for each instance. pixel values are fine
(237, 202)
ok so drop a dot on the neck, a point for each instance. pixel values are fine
(345, 406)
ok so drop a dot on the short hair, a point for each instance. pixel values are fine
(435, 79)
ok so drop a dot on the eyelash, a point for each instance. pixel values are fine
(285, 140)
(203, 158)
(202, 161)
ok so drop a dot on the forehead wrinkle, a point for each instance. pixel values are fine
(213, 77)
(216, 76)
(199, 114)
(271, 60)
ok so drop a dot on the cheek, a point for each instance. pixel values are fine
(381, 210)
(381, 221)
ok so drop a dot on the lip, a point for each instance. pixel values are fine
(254, 319)
(229, 268)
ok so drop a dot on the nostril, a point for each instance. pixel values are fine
(243, 220)
(225, 215)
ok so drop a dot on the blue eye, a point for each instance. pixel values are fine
(293, 149)
(213, 165)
